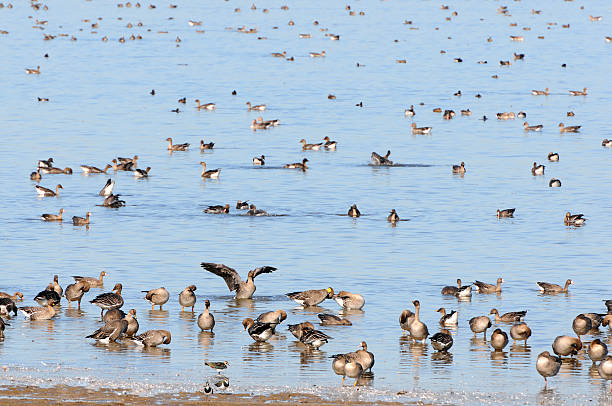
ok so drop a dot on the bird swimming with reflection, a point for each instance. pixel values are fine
(211, 173)
(127, 166)
(452, 290)
(56, 171)
(142, 173)
(53, 217)
(379, 160)
(459, 168)
(204, 146)
(93, 169)
(450, 319)
(505, 213)
(48, 163)
(329, 144)
(43, 191)
(546, 287)
(528, 127)
(259, 161)
(240, 205)
(298, 165)
(254, 211)
(217, 209)
(537, 169)
(107, 190)
(354, 211)
(311, 297)
(36, 176)
(483, 287)
(207, 106)
(113, 201)
(574, 219)
(258, 107)
(569, 129)
(554, 182)
(177, 147)
(314, 147)
(393, 216)
(244, 290)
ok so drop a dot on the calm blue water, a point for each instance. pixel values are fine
(100, 108)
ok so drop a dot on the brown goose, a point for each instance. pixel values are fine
(110, 332)
(211, 174)
(597, 350)
(18, 297)
(311, 297)
(157, 297)
(505, 213)
(298, 329)
(569, 129)
(420, 130)
(93, 169)
(442, 341)
(80, 221)
(349, 301)
(74, 292)
(581, 325)
(605, 369)
(53, 217)
(127, 167)
(56, 171)
(537, 169)
(206, 320)
(450, 319)
(298, 165)
(176, 147)
(566, 345)
(582, 92)
(553, 156)
(331, 320)
(354, 211)
(43, 191)
(393, 217)
(575, 220)
(489, 288)
(418, 329)
(39, 313)
(274, 317)
(405, 320)
(204, 146)
(207, 106)
(459, 168)
(109, 300)
(314, 147)
(480, 324)
(508, 317)
(520, 332)
(452, 290)
(379, 160)
(547, 365)
(244, 290)
(365, 357)
(551, 288)
(93, 282)
(133, 325)
(187, 298)
(499, 339)
(36, 175)
(153, 338)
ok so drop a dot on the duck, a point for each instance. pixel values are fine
(554, 182)
(489, 288)
(244, 290)
(93, 169)
(17, 297)
(452, 290)
(39, 313)
(75, 291)
(314, 147)
(36, 175)
(110, 332)
(32, 71)
(311, 297)
(317, 54)
(569, 129)
(410, 112)
(217, 366)
(93, 282)
(113, 201)
(349, 301)
(7, 306)
(393, 217)
(605, 369)
(298, 329)
(206, 321)
(379, 160)
(442, 341)
(139, 173)
(80, 221)
(128, 166)
(314, 338)
(158, 296)
(259, 161)
(331, 320)
(581, 325)
(546, 287)
(459, 168)
(217, 209)
(573, 219)
(43, 191)
(256, 125)
(128, 160)
(204, 146)
(329, 144)
(537, 169)
(258, 107)
(47, 296)
(540, 92)
(505, 213)
(597, 350)
(153, 338)
(527, 127)
(259, 332)
(582, 92)
(298, 165)
(187, 298)
(418, 329)
(553, 156)
(108, 188)
(405, 320)
(605, 143)
(420, 130)
(279, 54)
(508, 317)
(480, 324)
(520, 332)
(56, 171)
(109, 300)
(547, 365)
(48, 163)
(566, 345)
(449, 319)
(176, 147)
(253, 211)
(53, 217)
(207, 106)
(354, 211)
(210, 174)
(240, 205)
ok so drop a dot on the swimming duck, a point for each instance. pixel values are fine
(39, 313)
(410, 112)
(206, 320)
(547, 365)
(393, 217)
(569, 129)
(47, 296)
(566, 345)
(527, 127)
(505, 213)
(574, 219)
(259, 332)
(204, 146)
(45, 163)
(480, 324)
(93, 282)
(128, 166)
(518, 56)
(442, 341)
(298, 329)
(581, 325)
(109, 300)
(520, 332)
(546, 287)
(354, 211)
(317, 54)
(217, 209)
(187, 298)
(128, 160)
(17, 297)
(570, 114)
(53, 217)
(80, 221)
(32, 71)
(506, 116)
(578, 92)
(508, 317)
(597, 350)
(448, 115)
(217, 366)
(259, 161)
(464, 291)
(36, 175)
(240, 205)
(176, 147)
(331, 320)
(255, 125)
(418, 329)
(314, 147)
(211, 174)
(420, 130)
(56, 171)
(540, 92)
(459, 168)
(298, 165)
(139, 173)
(108, 188)
(93, 169)
(381, 160)
(207, 106)
(405, 320)
(329, 144)
(158, 296)
(605, 143)
(450, 319)
(7, 306)
(244, 290)
(43, 191)
(311, 297)
(605, 369)
(314, 338)
(521, 114)
(153, 338)
(110, 332)
(537, 169)
(254, 211)
(489, 288)
(553, 156)
(259, 107)
(349, 301)
(75, 291)
(467, 112)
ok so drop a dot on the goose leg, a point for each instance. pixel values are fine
(69, 303)
(355, 384)
(182, 308)
(152, 306)
(342, 383)
(192, 309)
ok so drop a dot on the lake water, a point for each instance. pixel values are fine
(100, 108)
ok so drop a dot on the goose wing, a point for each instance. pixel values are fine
(231, 277)
(263, 269)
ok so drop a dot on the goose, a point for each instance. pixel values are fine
(176, 147)
(605, 369)
(275, 317)
(32, 71)
(211, 174)
(53, 217)
(187, 298)
(518, 56)
(56, 286)
(47, 296)
(56, 171)
(582, 92)
(480, 324)
(317, 54)
(353, 369)
(505, 213)
(130, 317)
(217, 209)
(420, 130)
(38, 313)
(527, 127)
(506, 116)
(207, 106)
(566, 345)
(259, 332)
(569, 129)
(206, 321)
(298, 329)
(109, 300)
(157, 297)
(410, 112)
(546, 287)
(574, 219)
(329, 144)
(128, 160)
(553, 156)
(314, 338)
(2, 327)
(547, 365)
(354, 211)
(240, 205)
(508, 317)
(448, 115)
(596, 319)
(7, 306)
(43, 191)
(259, 107)
(36, 175)
(279, 54)
(108, 188)
(581, 325)
(128, 166)
(217, 366)
(450, 319)
(110, 332)
(418, 329)
(452, 290)
(93, 169)
(540, 92)
(520, 332)
(405, 320)
(139, 173)
(365, 357)
(489, 288)
(393, 217)
(554, 182)
(314, 147)
(80, 221)
(311, 297)
(349, 301)
(537, 169)
(442, 341)
(605, 143)
(204, 146)
(570, 114)
(113, 201)
(521, 114)
(341, 361)
(298, 165)
(464, 291)
(270, 123)
(153, 338)
(17, 297)
(75, 291)
(459, 168)
(379, 160)
(597, 350)
(45, 163)
(255, 125)
(244, 290)
(253, 211)
(467, 112)
(93, 282)
(259, 161)
(331, 320)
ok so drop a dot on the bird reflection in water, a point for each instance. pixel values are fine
(220, 381)
(74, 313)
(549, 397)
(366, 379)
(441, 359)
(499, 358)
(258, 348)
(157, 315)
(187, 316)
(206, 339)
(479, 344)
(570, 366)
(163, 353)
(233, 303)
(46, 325)
(353, 315)
(309, 355)
(111, 347)
(594, 377)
